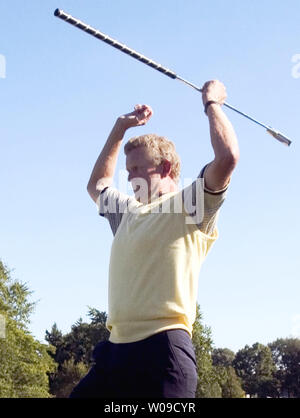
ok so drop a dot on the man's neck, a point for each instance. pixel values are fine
(165, 187)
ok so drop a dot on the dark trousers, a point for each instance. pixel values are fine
(161, 366)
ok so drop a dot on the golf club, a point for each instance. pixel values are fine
(103, 37)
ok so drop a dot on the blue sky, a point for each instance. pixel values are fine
(61, 91)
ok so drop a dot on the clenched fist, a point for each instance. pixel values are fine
(215, 91)
(140, 116)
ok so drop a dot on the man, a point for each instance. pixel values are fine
(156, 256)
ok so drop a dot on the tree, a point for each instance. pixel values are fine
(208, 385)
(230, 383)
(73, 351)
(80, 342)
(24, 362)
(74, 354)
(222, 357)
(286, 356)
(255, 366)
(14, 298)
(70, 373)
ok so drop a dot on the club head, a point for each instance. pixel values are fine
(279, 137)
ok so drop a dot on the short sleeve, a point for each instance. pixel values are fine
(112, 204)
(202, 204)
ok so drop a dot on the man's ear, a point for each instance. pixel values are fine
(166, 168)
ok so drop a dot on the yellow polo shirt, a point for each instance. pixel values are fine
(156, 256)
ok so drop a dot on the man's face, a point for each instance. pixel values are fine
(143, 175)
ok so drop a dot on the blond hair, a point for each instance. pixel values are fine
(161, 149)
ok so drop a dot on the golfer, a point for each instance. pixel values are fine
(161, 237)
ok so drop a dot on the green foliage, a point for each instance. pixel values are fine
(208, 386)
(229, 382)
(222, 357)
(286, 356)
(255, 366)
(80, 342)
(69, 375)
(28, 366)
(221, 373)
(13, 298)
(73, 351)
(24, 362)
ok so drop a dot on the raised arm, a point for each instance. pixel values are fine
(223, 138)
(104, 169)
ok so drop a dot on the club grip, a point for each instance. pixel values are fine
(113, 42)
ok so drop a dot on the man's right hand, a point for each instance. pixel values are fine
(104, 168)
(140, 116)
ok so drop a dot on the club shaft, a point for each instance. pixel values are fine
(225, 104)
(116, 44)
(134, 54)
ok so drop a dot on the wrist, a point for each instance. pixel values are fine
(209, 104)
(120, 126)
